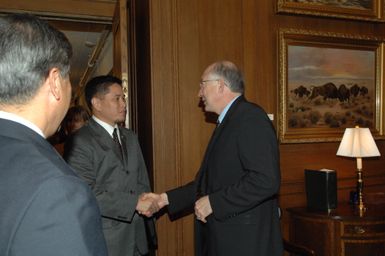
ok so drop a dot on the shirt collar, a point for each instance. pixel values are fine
(224, 111)
(107, 127)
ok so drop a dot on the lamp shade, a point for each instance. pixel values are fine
(358, 142)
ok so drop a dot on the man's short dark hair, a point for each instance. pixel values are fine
(29, 49)
(99, 85)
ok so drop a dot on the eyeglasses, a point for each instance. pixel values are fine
(202, 83)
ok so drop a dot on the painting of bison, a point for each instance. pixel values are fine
(330, 87)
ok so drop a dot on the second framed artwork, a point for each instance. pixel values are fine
(371, 10)
(329, 82)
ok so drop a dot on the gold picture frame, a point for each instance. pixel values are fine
(371, 10)
(328, 82)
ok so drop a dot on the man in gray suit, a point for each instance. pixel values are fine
(109, 158)
(46, 209)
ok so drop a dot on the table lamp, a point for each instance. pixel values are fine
(358, 142)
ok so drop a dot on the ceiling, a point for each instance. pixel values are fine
(82, 25)
(87, 39)
(83, 44)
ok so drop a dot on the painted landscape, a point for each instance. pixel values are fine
(330, 87)
(357, 4)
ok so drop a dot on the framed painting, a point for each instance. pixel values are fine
(371, 10)
(329, 82)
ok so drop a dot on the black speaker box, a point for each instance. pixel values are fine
(321, 189)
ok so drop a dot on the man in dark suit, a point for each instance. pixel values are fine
(235, 190)
(46, 209)
(109, 158)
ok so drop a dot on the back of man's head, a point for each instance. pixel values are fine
(29, 49)
(230, 73)
(99, 85)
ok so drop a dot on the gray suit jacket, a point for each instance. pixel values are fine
(117, 184)
(46, 209)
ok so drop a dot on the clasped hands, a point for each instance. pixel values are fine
(150, 203)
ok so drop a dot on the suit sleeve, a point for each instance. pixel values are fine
(257, 149)
(68, 221)
(182, 198)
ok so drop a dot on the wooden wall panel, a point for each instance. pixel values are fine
(260, 53)
(192, 40)
(188, 78)
(164, 89)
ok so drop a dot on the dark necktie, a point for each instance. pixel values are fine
(116, 139)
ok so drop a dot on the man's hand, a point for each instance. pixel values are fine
(147, 205)
(203, 208)
(160, 199)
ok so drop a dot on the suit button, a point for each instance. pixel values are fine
(127, 172)
(132, 192)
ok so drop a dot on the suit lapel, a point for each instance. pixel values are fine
(202, 175)
(218, 130)
(212, 141)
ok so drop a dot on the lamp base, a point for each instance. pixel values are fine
(360, 188)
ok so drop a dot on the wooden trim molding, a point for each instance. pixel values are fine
(79, 10)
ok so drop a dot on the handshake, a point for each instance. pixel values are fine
(150, 203)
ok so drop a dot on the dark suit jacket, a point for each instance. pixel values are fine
(240, 173)
(45, 208)
(117, 184)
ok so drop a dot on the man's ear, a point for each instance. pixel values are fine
(54, 83)
(221, 86)
(95, 102)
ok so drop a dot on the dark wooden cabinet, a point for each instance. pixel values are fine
(343, 231)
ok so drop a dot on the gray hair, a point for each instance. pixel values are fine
(29, 49)
(230, 74)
